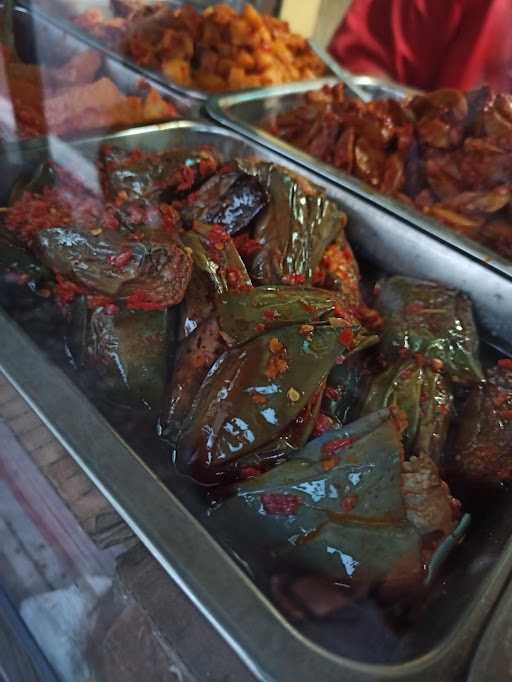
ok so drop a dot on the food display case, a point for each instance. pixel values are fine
(296, 392)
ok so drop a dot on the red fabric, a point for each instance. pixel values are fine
(429, 43)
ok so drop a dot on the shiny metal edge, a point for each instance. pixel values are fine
(391, 88)
(219, 107)
(124, 77)
(269, 646)
(493, 657)
(155, 76)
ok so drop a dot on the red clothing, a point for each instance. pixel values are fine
(429, 44)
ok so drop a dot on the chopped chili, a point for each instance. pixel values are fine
(235, 279)
(139, 300)
(293, 279)
(275, 345)
(246, 246)
(187, 178)
(346, 338)
(337, 444)
(170, 217)
(111, 309)
(65, 290)
(278, 362)
(277, 504)
(306, 329)
(323, 423)
(319, 277)
(332, 393)
(270, 314)
(98, 301)
(348, 503)
(249, 472)
(121, 261)
(329, 463)
(218, 237)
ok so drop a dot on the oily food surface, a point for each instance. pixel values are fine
(317, 412)
(217, 49)
(446, 153)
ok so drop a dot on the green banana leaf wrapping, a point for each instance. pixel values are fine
(158, 271)
(253, 393)
(230, 199)
(196, 354)
(295, 228)
(338, 508)
(128, 349)
(198, 304)
(135, 174)
(431, 320)
(215, 254)
(423, 395)
(218, 268)
(244, 315)
(346, 386)
(483, 446)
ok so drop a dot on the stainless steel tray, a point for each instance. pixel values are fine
(65, 22)
(170, 518)
(39, 41)
(245, 113)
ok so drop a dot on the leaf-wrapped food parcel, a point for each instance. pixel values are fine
(295, 229)
(196, 354)
(483, 446)
(240, 317)
(231, 199)
(215, 254)
(154, 273)
(128, 349)
(433, 321)
(253, 393)
(426, 398)
(339, 508)
(154, 176)
(244, 315)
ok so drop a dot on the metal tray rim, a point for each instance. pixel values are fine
(57, 396)
(218, 108)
